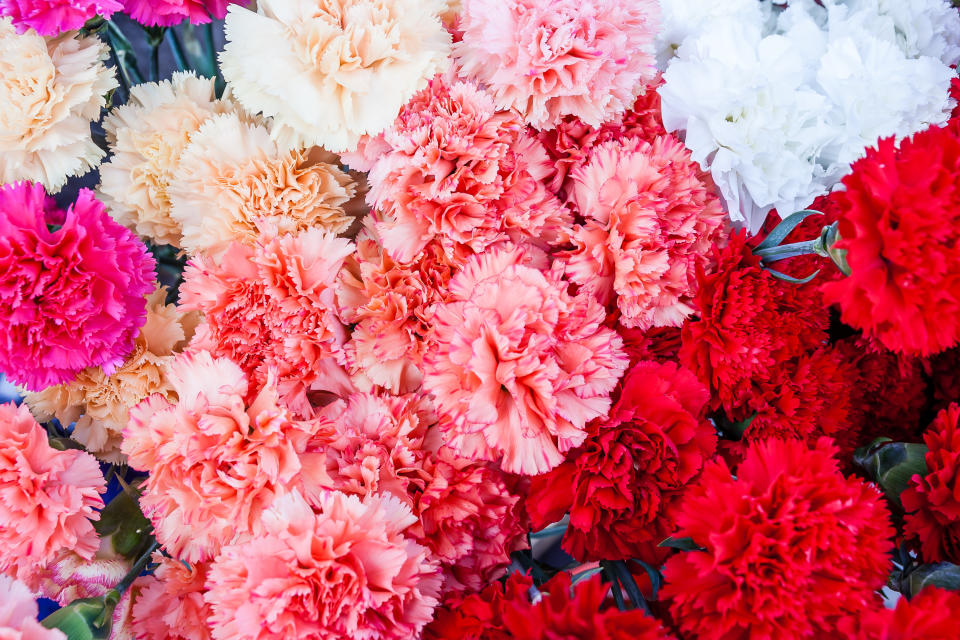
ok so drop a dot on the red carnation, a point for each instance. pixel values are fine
(930, 615)
(931, 501)
(790, 545)
(632, 466)
(944, 371)
(901, 228)
(657, 343)
(890, 393)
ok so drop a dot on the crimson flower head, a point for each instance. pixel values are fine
(930, 615)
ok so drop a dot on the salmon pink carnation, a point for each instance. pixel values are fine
(518, 366)
(344, 571)
(53, 17)
(18, 614)
(552, 58)
(72, 287)
(166, 13)
(170, 604)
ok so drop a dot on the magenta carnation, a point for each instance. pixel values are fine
(166, 13)
(72, 287)
(52, 17)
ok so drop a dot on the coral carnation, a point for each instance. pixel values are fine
(18, 614)
(53, 17)
(72, 287)
(170, 604)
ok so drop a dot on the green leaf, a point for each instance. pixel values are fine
(585, 575)
(892, 464)
(782, 276)
(943, 575)
(684, 544)
(86, 619)
(124, 522)
(788, 224)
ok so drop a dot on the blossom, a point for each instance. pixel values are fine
(166, 13)
(98, 403)
(650, 219)
(518, 365)
(47, 497)
(788, 517)
(72, 287)
(53, 17)
(53, 88)
(18, 613)
(216, 461)
(686, 19)
(170, 605)
(346, 570)
(354, 64)
(932, 521)
(70, 576)
(926, 616)
(900, 230)
(552, 59)
(233, 178)
(463, 174)
(146, 137)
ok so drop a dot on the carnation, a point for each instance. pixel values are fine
(73, 287)
(169, 604)
(167, 13)
(548, 60)
(346, 86)
(686, 19)
(788, 517)
(233, 178)
(345, 570)
(929, 615)
(518, 366)
(70, 576)
(146, 137)
(53, 88)
(53, 17)
(19, 612)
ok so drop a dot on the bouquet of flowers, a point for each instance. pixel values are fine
(479, 319)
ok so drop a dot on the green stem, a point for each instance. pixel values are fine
(137, 569)
(784, 251)
(214, 68)
(176, 48)
(123, 50)
(155, 63)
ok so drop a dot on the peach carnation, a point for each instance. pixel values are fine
(518, 365)
(345, 571)
(353, 64)
(552, 58)
(146, 136)
(461, 173)
(100, 404)
(52, 89)
(651, 217)
(18, 614)
(215, 461)
(233, 178)
(47, 497)
(169, 604)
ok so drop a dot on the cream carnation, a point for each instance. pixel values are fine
(330, 71)
(147, 136)
(50, 89)
(233, 178)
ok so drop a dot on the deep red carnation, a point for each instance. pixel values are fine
(901, 228)
(930, 615)
(790, 545)
(890, 392)
(944, 372)
(633, 465)
(658, 343)
(932, 501)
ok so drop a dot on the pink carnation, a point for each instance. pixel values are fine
(651, 216)
(18, 614)
(518, 365)
(346, 571)
(47, 497)
(552, 58)
(72, 287)
(53, 17)
(166, 13)
(215, 461)
(463, 174)
(170, 603)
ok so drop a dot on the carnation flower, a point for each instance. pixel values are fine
(233, 178)
(585, 58)
(70, 576)
(98, 403)
(345, 571)
(661, 344)
(354, 64)
(686, 19)
(72, 287)
(932, 521)
(53, 17)
(650, 219)
(216, 461)
(463, 174)
(170, 604)
(53, 88)
(901, 230)
(146, 137)
(19, 611)
(47, 497)
(788, 517)
(929, 615)
(518, 365)
(166, 13)
(919, 28)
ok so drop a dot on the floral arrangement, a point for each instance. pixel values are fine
(480, 319)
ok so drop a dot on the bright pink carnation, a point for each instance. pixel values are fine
(47, 497)
(346, 571)
(651, 216)
(519, 366)
(166, 13)
(552, 58)
(72, 287)
(170, 604)
(18, 614)
(53, 17)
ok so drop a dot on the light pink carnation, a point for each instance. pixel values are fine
(346, 571)
(18, 614)
(72, 287)
(518, 365)
(166, 13)
(47, 497)
(53, 17)
(461, 173)
(170, 605)
(215, 461)
(651, 216)
(552, 58)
